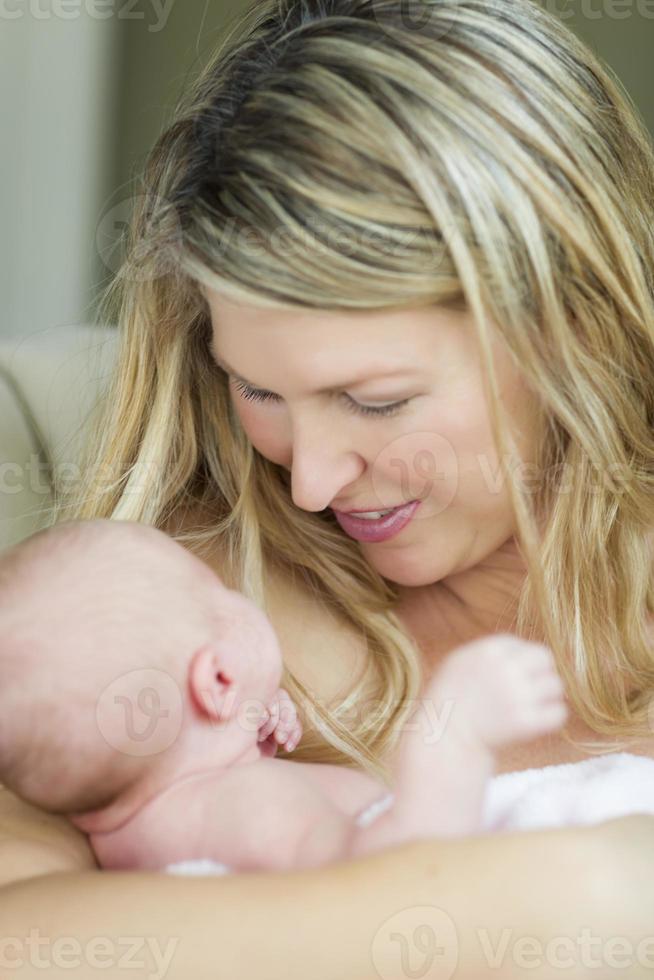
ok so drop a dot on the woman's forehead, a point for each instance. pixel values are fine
(376, 340)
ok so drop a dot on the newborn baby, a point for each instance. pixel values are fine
(141, 697)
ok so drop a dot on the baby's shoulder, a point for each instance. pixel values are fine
(261, 811)
(268, 788)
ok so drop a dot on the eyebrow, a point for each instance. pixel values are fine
(352, 383)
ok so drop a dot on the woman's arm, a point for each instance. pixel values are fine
(33, 842)
(423, 906)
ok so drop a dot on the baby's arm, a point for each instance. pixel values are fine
(271, 816)
(488, 693)
(497, 690)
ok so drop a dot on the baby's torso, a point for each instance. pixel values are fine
(251, 817)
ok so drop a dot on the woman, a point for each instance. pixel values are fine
(456, 190)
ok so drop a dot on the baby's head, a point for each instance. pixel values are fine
(120, 651)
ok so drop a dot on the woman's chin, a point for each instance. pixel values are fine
(402, 569)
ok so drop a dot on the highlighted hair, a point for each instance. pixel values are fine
(468, 154)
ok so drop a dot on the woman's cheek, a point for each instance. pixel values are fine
(265, 433)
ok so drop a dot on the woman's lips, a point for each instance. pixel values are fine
(377, 529)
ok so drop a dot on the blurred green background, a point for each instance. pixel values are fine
(154, 65)
(87, 97)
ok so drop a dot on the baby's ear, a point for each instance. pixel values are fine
(213, 682)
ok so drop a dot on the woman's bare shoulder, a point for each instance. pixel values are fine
(319, 646)
(34, 842)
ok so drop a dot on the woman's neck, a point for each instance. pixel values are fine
(466, 605)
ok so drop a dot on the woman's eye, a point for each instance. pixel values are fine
(253, 394)
(258, 395)
(383, 410)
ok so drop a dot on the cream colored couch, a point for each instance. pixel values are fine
(49, 382)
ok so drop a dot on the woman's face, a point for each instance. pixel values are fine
(305, 386)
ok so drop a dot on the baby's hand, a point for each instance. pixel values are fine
(505, 688)
(282, 726)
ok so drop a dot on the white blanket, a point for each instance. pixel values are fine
(570, 794)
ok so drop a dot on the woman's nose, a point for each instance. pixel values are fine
(320, 468)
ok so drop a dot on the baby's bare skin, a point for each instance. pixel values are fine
(196, 778)
(275, 814)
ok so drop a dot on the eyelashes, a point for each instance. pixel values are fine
(258, 395)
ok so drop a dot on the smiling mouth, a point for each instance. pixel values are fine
(372, 512)
(370, 515)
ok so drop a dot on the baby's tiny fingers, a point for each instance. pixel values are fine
(265, 731)
(286, 703)
(289, 734)
(287, 711)
(294, 738)
(296, 731)
(270, 724)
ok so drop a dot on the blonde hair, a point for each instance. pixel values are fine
(473, 155)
